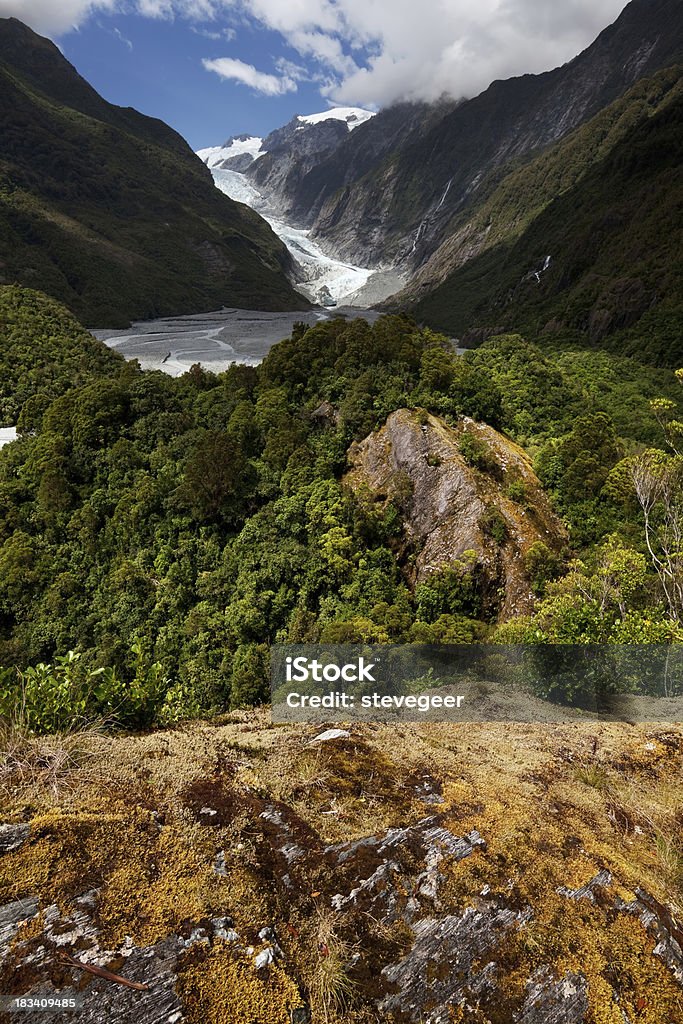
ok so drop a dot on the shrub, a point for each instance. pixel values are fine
(495, 526)
(476, 452)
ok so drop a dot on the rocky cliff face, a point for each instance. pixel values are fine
(291, 152)
(449, 507)
(389, 193)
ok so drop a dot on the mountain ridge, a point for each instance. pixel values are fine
(614, 236)
(110, 211)
(391, 206)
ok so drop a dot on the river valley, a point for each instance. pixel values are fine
(215, 340)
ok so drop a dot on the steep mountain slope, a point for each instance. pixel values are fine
(109, 210)
(265, 174)
(295, 149)
(391, 190)
(277, 164)
(601, 260)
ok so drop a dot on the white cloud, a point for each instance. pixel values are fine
(420, 50)
(124, 39)
(238, 71)
(373, 52)
(50, 17)
(216, 35)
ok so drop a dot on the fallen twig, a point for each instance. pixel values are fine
(100, 972)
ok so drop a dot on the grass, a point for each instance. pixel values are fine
(49, 765)
(331, 988)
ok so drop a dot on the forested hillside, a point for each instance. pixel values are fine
(110, 211)
(583, 244)
(169, 530)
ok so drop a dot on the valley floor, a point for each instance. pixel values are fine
(215, 339)
(250, 873)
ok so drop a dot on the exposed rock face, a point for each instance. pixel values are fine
(291, 152)
(448, 506)
(448, 876)
(394, 202)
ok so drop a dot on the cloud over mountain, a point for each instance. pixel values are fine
(372, 53)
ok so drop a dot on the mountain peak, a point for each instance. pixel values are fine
(354, 116)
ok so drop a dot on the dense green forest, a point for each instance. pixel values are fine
(167, 530)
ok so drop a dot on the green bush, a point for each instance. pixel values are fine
(476, 452)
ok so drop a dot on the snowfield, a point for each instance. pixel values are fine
(250, 144)
(353, 116)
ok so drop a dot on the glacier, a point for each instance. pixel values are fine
(320, 277)
(238, 146)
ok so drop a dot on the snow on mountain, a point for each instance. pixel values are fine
(235, 169)
(239, 146)
(353, 116)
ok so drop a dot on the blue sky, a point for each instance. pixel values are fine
(156, 66)
(215, 68)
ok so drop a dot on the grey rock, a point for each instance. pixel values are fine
(554, 1001)
(12, 837)
(219, 866)
(427, 840)
(331, 734)
(223, 929)
(456, 944)
(264, 958)
(290, 153)
(414, 461)
(12, 915)
(105, 1002)
(587, 892)
(663, 927)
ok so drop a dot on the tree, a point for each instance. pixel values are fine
(658, 483)
(215, 475)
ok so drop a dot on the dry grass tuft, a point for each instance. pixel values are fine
(48, 764)
(331, 987)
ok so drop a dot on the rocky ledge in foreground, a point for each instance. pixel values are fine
(230, 876)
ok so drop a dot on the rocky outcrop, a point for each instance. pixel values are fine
(240, 873)
(291, 152)
(449, 507)
(451, 964)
